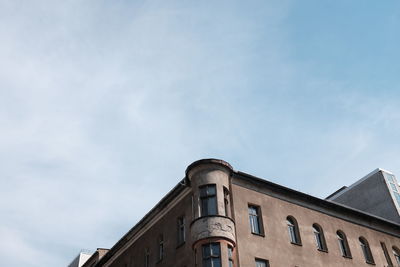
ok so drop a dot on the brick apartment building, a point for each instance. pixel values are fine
(219, 217)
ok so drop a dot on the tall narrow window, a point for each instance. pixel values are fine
(226, 202)
(293, 229)
(147, 258)
(255, 220)
(262, 263)
(211, 255)
(230, 256)
(181, 230)
(208, 200)
(343, 244)
(319, 238)
(366, 250)
(193, 212)
(195, 257)
(396, 253)
(386, 253)
(160, 248)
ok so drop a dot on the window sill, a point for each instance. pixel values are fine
(371, 262)
(347, 257)
(323, 250)
(297, 244)
(257, 234)
(180, 245)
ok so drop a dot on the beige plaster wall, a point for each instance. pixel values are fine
(276, 247)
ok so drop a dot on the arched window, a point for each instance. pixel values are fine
(319, 237)
(343, 245)
(366, 250)
(396, 253)
(293, 229)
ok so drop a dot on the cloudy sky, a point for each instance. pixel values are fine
(103, 104)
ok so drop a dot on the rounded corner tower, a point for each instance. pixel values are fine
(212, 221)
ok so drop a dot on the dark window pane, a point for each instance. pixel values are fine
(204, 207)
(215, 248)
(216, 262)
(292, 234)
(211, 190)
(207, 263)
(203, 191)
(208, 200)
(318, 240)
(212, 206)
(206, 251)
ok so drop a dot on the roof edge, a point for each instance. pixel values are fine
(142, 222)
(316, 200)
(208, 161)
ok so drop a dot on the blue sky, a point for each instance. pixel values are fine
(103, 104)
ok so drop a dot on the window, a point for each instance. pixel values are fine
(193, 212)
(226, 202)
(147, 258)
(319, 238)
(397, 196)
(195, 257)
(396, 253)
(343, 244)
(255, 220)
(366, 250)
(230, 256)
(293, 229)
(208, 199)
(390, 177)
(394, 186)
(181, 230)
(386, 253)
(160, 248)
(262, 263)
(211, 255)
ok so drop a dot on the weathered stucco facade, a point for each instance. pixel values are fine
(244, 218)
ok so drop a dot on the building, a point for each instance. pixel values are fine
(377, 193)
(100, 252)
(217, 216)
(82, 257)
